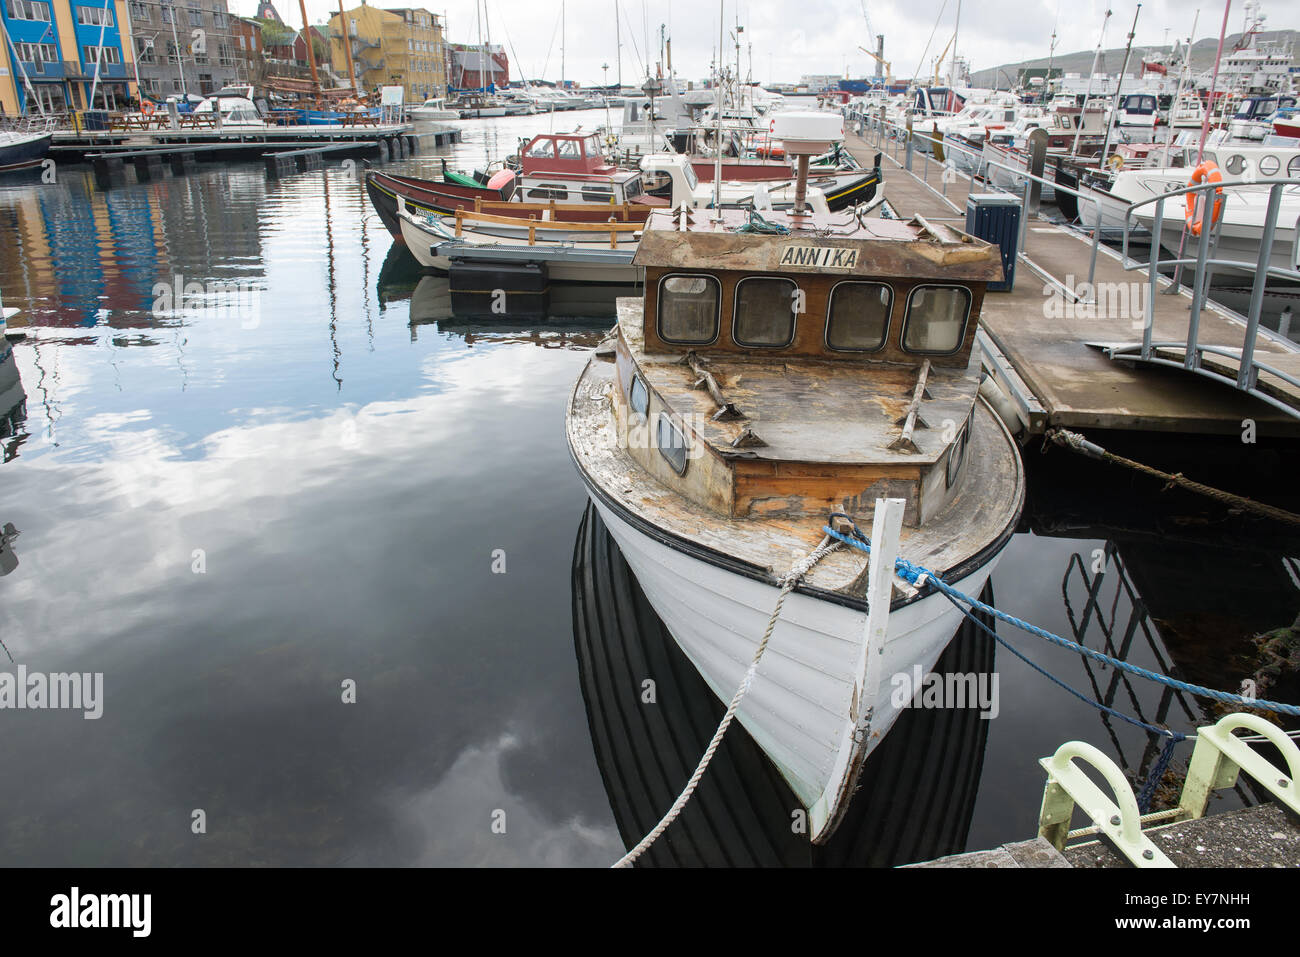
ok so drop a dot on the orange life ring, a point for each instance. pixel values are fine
(146, 107)
(1207, 172)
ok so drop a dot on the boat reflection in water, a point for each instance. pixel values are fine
(916, 794)
(576, 315)
(13, 401)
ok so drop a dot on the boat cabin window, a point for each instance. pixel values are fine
(1269, 165)
(542, 149)
(592, 145)
(857, 319)
(936, 319)
(597, 194)
(672, 445)
(688, 309)
(1236, 163)
(765, 311)
(569, 149)
(1293, 167)
(549, 191)
(638, 396)
(632, 188)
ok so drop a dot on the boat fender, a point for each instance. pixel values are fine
(1207, 172)
(501, 179)
(1001, 404)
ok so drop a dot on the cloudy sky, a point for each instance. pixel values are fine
(790, 38)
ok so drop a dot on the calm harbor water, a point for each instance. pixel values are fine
(289, 480)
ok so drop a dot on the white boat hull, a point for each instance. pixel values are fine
(422, 243)
(800, 699)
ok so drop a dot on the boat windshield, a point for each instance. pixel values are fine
(692, 180)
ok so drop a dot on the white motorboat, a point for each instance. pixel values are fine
(434, 109)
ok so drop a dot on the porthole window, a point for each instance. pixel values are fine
(672, 445)
(1293, 167)
(857, 319)
(765, 312)
(936, 319)
(638, 396)
(1236, 163)
(688, 309)
(1269, 165)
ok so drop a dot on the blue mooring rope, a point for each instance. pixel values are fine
(918, 576)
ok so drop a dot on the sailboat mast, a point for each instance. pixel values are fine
(618, 45)
(1087, 94)
(955, 30)
(717, 162)
(562, 35)
(1119, 84)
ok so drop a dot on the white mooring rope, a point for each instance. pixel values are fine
(801, 568)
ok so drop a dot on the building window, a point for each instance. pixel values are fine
(219, 19)
(139, 11)
(196, 18)
(167, 14)
(101, 54)
(936, 319)
(95, 16)
(37, 53)
(764, 312)
(858, 317)
(688, 309)
(27, 10)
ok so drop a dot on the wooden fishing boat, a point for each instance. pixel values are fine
(564, 169)
(775, 372)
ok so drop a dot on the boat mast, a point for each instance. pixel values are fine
(717, 161)
(1182, 78)
(347, 48)
(952, 80)
(1087, 95)
(562, 33)
(618, 46)
(1214, 79)
(311, 54)
(99, 56)
(1119, 85)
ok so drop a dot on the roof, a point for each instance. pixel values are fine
(818, 244)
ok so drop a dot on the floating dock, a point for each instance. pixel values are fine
(1051, 365)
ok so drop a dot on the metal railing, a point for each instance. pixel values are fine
(1261, 269)
(901, 140)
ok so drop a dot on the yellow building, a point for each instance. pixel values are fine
(399, 47)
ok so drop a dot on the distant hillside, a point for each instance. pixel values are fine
(1112, 59)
